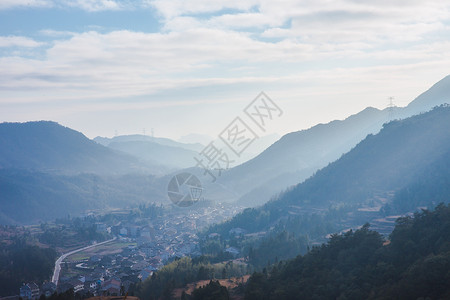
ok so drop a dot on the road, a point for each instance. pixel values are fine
(57, 270)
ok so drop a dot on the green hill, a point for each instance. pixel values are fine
(357, 265)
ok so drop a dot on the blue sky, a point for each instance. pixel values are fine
(183, 66)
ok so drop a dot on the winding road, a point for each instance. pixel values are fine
(55, 277)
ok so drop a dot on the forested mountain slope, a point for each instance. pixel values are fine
(414, 264)
(49, 147)
(394, 161)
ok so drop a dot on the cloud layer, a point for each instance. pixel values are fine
(296, 48)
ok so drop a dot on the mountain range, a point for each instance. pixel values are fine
(403, 167)
(75, 165)
(49, 147)
(297, 155)
(168, 154)
(48, 171)
(30, 197)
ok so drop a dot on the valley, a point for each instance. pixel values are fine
(97, 214)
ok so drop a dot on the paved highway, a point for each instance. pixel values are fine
(57, 270)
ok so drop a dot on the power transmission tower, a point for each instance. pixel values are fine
(391, 107)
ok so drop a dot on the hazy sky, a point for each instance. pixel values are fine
(182, 66)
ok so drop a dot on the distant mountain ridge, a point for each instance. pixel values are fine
(297, 155)
(155, 150)
(40, 149)
(49, 147)
(174, 154)
(389, 160)
(438, 94)
(393, 161)
(29, 197)
(145, 138)
(48, 171)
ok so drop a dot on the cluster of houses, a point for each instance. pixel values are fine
(155, 242)
(94, 286)
(83, 285)
(111, 274)
(32, 291)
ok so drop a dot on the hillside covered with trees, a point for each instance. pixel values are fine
(21, 262)
(413, 264)
(408, 157)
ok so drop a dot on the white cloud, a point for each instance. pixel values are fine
(314, 21)
(311, 50)
(201, 46)
(125, 63)
(56, 33)
(173, 8)
(87, 5)
(94, 5)
(7, 4)
(18, 41)
(244, 20)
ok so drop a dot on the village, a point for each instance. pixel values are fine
(139, 246)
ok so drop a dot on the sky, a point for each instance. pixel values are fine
(107, 67)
